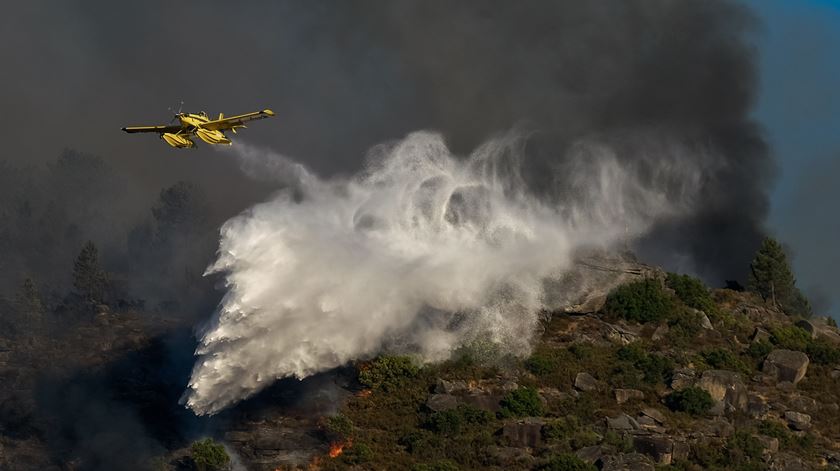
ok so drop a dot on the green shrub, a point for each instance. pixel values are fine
(760, 349)
(831, 322)
(541, 364)
(339, 427)
(654, 368)
(640, 301)
(822, 352)
(693, 400)
(684, 324)
(692, 292)
(209, 455)
(722, 359)
(443, 465)
(387, 372)
(566, 462)
(358, 453)
(450, 422)
(522, 402)
(743, 447)
(791, 338)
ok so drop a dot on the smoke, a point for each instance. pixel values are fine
(421, 253)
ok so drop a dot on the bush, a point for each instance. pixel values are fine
(760, 349)
(743, 447)
(823, 353)
(640, 301)
(694, 401)
(722, 359)
(443, 465)
(450, 422)
(541, 364)
(358, 453)
(566, 462)
(339, 427)
(387, 372)
(692, 292)
(522, 402)
(654, 368)
(791, 338)
(209, 455)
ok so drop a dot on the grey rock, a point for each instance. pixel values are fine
(786, 365)
(757, 406)
(682, 378)
(625, 395)
(770, 444)
(622, 423)
(591, 454)
(681, 451)
(441, 402)
(835, 374)
(798, 420)
(760, 335)
(488, 402)
(819, 329)
(660, 333)
(451, 387)
(586, 382)
(525, 433)
(654, 414)
(625, 462)
(726, 388)
(705, 322)
(659, 448)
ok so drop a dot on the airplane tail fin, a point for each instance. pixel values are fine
(221, 116)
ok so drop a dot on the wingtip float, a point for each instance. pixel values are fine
(208, 130)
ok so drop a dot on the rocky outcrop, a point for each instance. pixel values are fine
(523, 433)
(726, 388)
(786, 365)
(586, 382)
(625, 462)
(626, 395)
(819, 328)
(798, 420)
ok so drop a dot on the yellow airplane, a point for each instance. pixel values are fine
(191, 124)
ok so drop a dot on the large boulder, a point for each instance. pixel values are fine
(625, 395)
(798, 420)
(524, 433)
(586, 382)
(786, 365)
(819, 328)
(726, 388)
(659, 448)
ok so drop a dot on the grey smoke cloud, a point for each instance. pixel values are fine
(344, 76)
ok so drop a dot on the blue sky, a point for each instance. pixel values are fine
(799, 107)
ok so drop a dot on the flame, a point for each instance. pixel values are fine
(336, 448)
(364, 393)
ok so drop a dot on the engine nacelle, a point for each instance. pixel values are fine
(212, 136)
(178, 141)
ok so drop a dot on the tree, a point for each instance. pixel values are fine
(89, 278)
(771, 277)
(28, 300)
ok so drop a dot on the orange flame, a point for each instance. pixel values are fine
(336, 448)
(364, 393)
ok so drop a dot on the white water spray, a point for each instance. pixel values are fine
(421, 253)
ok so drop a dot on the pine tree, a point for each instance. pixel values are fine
(771, 277)
(28, 300)
(88, 276)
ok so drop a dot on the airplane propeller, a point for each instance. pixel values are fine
(176, 113)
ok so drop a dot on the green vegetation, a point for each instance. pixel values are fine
(640, 301)
(655, 368)
(89, 278)
(771, 277)
(451, 421)
(722, 359)
(443, 465)
(692, 292)
(694, 401)
(209, 455)
(522, 402)
(387, 372)
(796, 338)
(339, 427)
(566, 462)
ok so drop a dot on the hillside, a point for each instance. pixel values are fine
(738, 385)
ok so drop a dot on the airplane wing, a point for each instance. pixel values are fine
(231, 121)
(157, 129)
